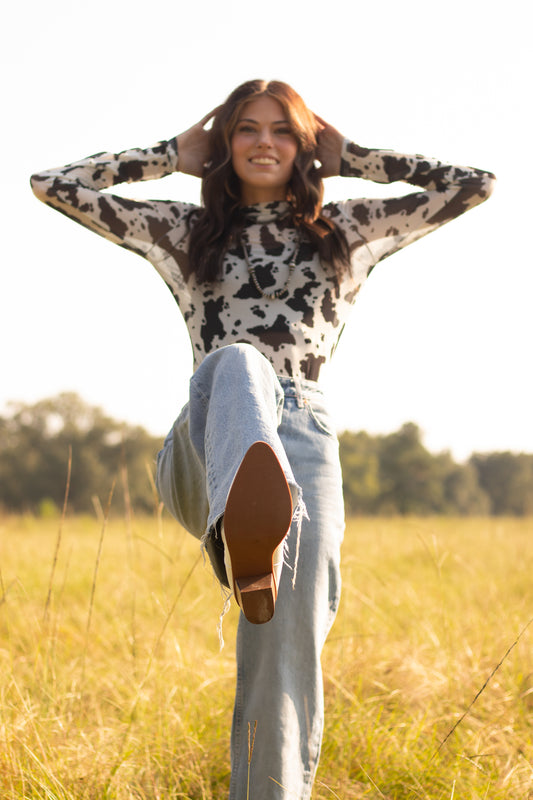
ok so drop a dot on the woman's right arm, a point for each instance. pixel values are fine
(77, 190)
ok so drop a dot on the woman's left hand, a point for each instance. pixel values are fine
(329, 149)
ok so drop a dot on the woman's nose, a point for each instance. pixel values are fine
(264, 138)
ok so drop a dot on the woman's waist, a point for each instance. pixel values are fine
(290, 363)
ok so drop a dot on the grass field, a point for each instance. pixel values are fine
(112, 685)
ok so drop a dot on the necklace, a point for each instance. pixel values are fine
(278, 294)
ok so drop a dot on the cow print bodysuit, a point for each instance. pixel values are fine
(299, 330)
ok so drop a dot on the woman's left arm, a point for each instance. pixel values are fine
(387, 225)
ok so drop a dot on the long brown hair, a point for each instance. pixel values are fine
(221, 216)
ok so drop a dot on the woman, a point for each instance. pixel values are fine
(265, 277)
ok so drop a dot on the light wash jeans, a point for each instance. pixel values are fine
(236, 399)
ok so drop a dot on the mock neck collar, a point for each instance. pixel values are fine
(266, 212)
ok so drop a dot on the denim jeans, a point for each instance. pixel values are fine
(236, 399)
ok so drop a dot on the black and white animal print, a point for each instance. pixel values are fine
(299, 331)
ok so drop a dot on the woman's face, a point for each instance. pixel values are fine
(263, 149)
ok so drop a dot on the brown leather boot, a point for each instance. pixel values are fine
(256, 521)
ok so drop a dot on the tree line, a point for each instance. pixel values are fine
(396, 474)
(62, 445)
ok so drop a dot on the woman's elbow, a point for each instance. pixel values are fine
(39, 185)
(488, 185)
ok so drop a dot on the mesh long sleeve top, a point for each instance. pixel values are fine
(297, 332)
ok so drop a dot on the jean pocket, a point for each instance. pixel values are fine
(321, 419)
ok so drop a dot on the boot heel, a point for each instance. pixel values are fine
(257, 597)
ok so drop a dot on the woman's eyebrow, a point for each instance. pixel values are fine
(276, 122)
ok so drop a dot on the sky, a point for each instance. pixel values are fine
(441, 333)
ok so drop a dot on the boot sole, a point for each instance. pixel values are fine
(257, 517)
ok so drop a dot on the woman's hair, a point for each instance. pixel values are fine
(214, 225)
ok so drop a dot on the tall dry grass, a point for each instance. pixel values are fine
(112, 685)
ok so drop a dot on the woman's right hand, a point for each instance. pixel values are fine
(193, 147)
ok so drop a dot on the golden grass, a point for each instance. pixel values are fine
(112, 684)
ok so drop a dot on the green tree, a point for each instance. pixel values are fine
(411, 480)
(395, 474)
(35, 442)
(464, 496)
(360, 472)
(507, 478)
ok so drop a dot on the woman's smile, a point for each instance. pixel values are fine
(263, 149)
(263, 161)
